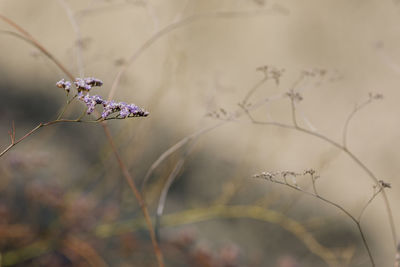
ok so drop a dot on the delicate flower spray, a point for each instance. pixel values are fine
(111, 109)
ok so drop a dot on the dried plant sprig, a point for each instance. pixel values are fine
(295, 96)
(357, 108)
(376, 190)
(231, 116)
(223, 115)
(274, 178)
(349, 153)
(84, 85)
(109, 108)
(66, 85)
(272, 72)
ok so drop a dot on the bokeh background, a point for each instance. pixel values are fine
(63, 200)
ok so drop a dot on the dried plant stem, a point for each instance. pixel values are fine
(108, 134)
(174, 148)
(15, 141)
(351, 115)
(203, 131)
(37, 45)
(171, 178)
(292, 98)
(191, 138)
(369, 202)
(164, 192)
(64, 109)
(138, 196)
(384, 195)
(350, 154)
(253, 89)
(356, 221)
(294, 119)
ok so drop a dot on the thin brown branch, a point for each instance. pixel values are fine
(14, 141)
(37, 44)
(138, 196)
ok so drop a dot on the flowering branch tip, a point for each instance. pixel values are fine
(83, 86)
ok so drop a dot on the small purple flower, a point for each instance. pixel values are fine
(109, 107)
(133, 109)
(98, 99)
(66, 85)
(124, 112)
(137, 111)
(82, 85)
(80, 95)
(90, 101)
(124, 109)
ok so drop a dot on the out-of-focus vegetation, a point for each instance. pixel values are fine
(235, 89)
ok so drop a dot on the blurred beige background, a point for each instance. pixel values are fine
(210, 63)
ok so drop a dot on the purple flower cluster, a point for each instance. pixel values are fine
(66, 85)
(86, 84)
(109, 107)
(90, 101)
